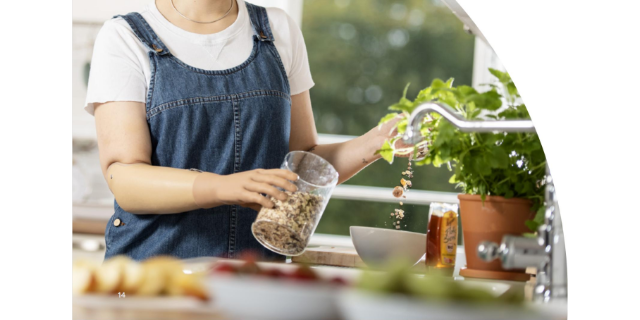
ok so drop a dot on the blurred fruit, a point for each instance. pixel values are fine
(182, 284)
(303, 272)
(338, 281)
(132, 277)
(249, 267)
(157, 274)
(224, 268)
(152, 277)
(110, 274)
(83, 279)
(273, 273)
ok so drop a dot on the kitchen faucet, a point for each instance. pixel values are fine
(412, 134)
(547, 251)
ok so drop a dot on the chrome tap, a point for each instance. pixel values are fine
(412, 134)
(546, 252)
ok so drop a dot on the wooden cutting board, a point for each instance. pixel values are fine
(331, 256)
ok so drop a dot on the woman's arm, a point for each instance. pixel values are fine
(347, 157)
(124, 143)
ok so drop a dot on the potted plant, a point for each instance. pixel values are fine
(501, 174)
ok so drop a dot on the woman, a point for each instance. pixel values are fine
(196, 103)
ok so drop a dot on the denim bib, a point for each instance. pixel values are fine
(224, 122)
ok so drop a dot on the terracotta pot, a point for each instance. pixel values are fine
(489, 222)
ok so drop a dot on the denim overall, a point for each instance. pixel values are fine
(224, 122)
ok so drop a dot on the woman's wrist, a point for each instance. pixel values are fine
(205, 190)
(374, 140)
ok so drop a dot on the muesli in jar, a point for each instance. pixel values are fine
(287, 227)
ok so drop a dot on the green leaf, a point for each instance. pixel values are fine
(449, 83)
(387, 118)
(489, 100)
(424, 95)
(404, 105)
(402, 125)
(512, 90)
(502, 76)
(490, 139)
(453, 179)
(404, 92)
(532, 225)
(437, 161)
(539, 215)
(537, 221)
(481, 166)
(499, 158)
(446, 132)
(386, 152)
(445, 152)
(537, 156)
(439, 84)
(462, 92)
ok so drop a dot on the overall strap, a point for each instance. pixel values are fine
(259, 22)
(144, 32)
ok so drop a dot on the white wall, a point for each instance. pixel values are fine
(102, 10)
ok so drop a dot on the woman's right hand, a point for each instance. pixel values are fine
(243, 188)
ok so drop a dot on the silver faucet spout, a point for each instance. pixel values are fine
(412, 134)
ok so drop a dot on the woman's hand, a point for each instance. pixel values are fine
(244, 188)
(388, 131)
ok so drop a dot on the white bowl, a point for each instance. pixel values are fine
(361, 305)
(377, 245)
(255, 297)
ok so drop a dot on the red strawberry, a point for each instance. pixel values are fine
(272, 273)
(224, 268)
(304, 273)
(249, 267)
(338, 281)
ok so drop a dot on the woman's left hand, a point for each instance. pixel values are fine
(388, 131)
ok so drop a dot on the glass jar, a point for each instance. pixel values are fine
(287, 228)
(442, 238)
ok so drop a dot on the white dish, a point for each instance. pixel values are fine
(133, 302)
(377, 245)
(255, 297)
(359, 305)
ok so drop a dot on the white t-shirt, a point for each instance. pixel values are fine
(120, 64)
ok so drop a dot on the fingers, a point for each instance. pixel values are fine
(251, 197)
(275, 181)
(282, 173)
(267, 189)
(253, 206)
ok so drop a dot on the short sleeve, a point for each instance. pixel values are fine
(292, 49)
(116, 72)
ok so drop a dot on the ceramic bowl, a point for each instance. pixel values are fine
(375, 246)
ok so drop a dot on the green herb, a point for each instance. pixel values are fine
(511, 165)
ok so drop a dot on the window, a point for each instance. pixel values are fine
(362, 54)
